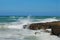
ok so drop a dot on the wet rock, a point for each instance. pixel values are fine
(37, 26)
(54, 26)
(25, 26)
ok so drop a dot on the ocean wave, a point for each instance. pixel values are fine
(19, 23)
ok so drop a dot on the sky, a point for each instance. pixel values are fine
(30, 7)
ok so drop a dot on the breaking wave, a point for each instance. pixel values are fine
(26, 34)
(21, 21)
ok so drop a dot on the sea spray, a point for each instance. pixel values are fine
(21, 21)
(15, 31)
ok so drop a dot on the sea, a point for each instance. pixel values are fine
(11, 28)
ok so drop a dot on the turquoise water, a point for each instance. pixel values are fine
(11, 28)
(14, 18)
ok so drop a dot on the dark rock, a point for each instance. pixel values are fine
(25, 26)
(55, 26)
(37, 26)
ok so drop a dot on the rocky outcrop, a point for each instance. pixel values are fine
(37, 26)
(55, 26)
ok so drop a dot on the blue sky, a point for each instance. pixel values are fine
(30, 7)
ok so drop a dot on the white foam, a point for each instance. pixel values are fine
(49, 20)
(39, 36)
(26, 34)
(26, 21)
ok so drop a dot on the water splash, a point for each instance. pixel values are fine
(25, 21)
(18, 24)
(26, 34)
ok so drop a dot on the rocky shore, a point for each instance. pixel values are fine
(54, 26)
